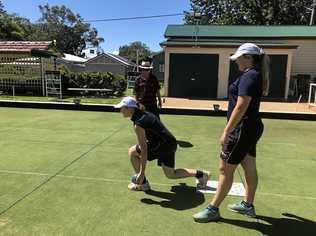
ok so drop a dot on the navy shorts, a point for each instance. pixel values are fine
(164, 153)
(242, 141)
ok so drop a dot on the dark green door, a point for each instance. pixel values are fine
(278, 76)
(193, 75)
(278, 64)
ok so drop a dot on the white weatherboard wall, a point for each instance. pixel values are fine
(224, 64)
(304, 58)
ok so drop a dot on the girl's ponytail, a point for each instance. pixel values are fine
(266, 74)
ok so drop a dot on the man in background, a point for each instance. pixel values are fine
(147, 89)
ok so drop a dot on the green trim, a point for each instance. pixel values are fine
(229, 31)
(234, 44)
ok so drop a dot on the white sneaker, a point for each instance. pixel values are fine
(203, 180)
(139, 187)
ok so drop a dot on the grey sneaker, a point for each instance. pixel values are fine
(203, 180)
(206, 215)
(243, 208)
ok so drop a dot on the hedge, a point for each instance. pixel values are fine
(100, 80)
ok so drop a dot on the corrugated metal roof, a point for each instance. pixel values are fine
(73, 58)
(122, 59)
(238, 31)
(117, 58)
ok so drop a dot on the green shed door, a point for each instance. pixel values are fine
(278, 65)
(193, 75)
(278, 76)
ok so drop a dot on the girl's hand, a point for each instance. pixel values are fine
(159, 105)
(223, 138)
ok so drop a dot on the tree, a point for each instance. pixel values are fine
(1, 8)
(93, 38)
(67, 28)
(61, 24)
(9, 30)
(250, 12)
(56, 23)
(130, 51)
(28, 28)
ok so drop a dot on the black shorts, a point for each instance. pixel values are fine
(165, 153)
(242, 141)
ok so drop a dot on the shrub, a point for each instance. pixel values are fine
(100, 80)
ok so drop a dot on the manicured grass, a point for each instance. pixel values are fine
(66, 173)
(91, 100)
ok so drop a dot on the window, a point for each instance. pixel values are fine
(91, 51)
(161, 68)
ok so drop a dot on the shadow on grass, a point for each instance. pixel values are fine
(181, 197)
(289, 225)
(184, 144)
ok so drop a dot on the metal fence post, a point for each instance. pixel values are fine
(13, 92)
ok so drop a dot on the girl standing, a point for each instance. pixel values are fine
(242, 132)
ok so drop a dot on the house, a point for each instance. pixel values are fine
(105, 62)
(197, 61)
(91, 52)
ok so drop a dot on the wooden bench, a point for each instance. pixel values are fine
(90, 89)
(106, 92)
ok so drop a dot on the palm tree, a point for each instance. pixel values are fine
(93, 38)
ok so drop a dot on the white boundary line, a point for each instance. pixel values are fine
(287, 195)
(125, 181)
(73, 177)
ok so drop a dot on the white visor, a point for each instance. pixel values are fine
(129, 102)
(247, 48)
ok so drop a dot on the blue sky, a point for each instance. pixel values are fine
(117, 33)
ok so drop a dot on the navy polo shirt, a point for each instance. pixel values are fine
(249, 84)
(156, 132)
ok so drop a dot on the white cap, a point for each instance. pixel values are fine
(145, 65)
(129, 102)
(247, 48)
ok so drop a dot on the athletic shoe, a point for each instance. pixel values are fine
(203, 180)
(243, 208)
(139, 187)
(206, 215)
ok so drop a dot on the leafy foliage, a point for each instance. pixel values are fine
(1, 8)
(9, 29)
(100, 80)
(57, 23)
(130, 51)
(250, 12)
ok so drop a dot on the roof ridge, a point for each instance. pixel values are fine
(241, 31)
(127, 62)
(307, 26)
